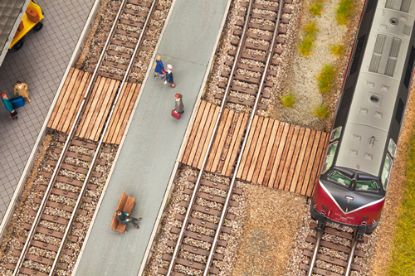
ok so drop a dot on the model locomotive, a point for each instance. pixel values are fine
(354, 178)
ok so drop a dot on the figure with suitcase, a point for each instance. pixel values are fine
(178, 107)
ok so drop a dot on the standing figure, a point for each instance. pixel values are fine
(169, 76)
(178, 107)
(8, 105)
(21, 89)
(125, 218)
(159, 70)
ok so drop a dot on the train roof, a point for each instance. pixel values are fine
(11, 12)
(371, 111)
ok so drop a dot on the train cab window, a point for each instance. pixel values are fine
(387, 165)
(339, 178)
(331, 151)
(392, 147)
(367, 185)
(335, 133)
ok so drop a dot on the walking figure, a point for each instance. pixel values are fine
(169, 76)
(8, 105)
(159, 70)
(21, 89)
(125, 218)
(178, 107)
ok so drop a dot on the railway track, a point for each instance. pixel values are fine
(194, 245)
(334, 251)
(251, 58)
(72, 166)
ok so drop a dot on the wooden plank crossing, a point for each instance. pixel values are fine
(97, 108)
(277, 154)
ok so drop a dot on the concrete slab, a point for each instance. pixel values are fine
(41, 63)
(151, 146)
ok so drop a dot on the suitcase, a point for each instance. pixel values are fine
(17, 102)
(176, 115)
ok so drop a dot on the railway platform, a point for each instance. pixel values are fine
(41, 62)
(150, 148)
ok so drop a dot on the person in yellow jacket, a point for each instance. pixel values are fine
(21, 89)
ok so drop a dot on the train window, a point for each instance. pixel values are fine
(331, 151)
(335, 133)
(358, 54)
(339, 178)
(409, 67)
(367, 185)
(399, 111)
(385, 171)
(392, 147)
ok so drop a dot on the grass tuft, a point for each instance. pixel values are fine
(403, 252)
(306, 45)
(337, 50)
(316, 7)
(326, 79)
(344, 11)
(288, 100)
(321, 112)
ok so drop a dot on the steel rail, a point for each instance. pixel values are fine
(316, 248)
(210, 144)
(248, 129)
(66, 145)
(103, 133)
(351, 256)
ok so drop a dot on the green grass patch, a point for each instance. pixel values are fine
(344, 11)
(288, 100)
(306, 45)
(316, 7)
(321, 112)
(326, 78)
(403, 252)
(337, 49)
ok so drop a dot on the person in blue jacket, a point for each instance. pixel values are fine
(8, 105)
(159, 70)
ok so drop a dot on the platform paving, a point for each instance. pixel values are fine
(148, 155)
(41, 63)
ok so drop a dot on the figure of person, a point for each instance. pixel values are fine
(8, 105)
(169, 76)
(178, 103)
(159, 70)
(21, 89)
(125, 218)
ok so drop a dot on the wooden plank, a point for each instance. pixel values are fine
(190, 141)
(284, 157)
(65, 98)
(305, 162)
(274, 150)
(199, 134)
(218, 136)
(222, 141)
(311, 162)
(68, 104)
(264, 158)
(294, 159)
(315, 172)
(289, 158)
(299, 164)
(252, 147)
(228, 141)
(51, 123)
(258, 147)
(233, 143)
(116, 117)
(237, 144)
(125, 120)
(263, 149)
(204, 140)
(246, 150)
(209, 135)
(278, 156)
(76, 103)
(101, 111)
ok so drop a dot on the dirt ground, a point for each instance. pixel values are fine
(271, 219)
